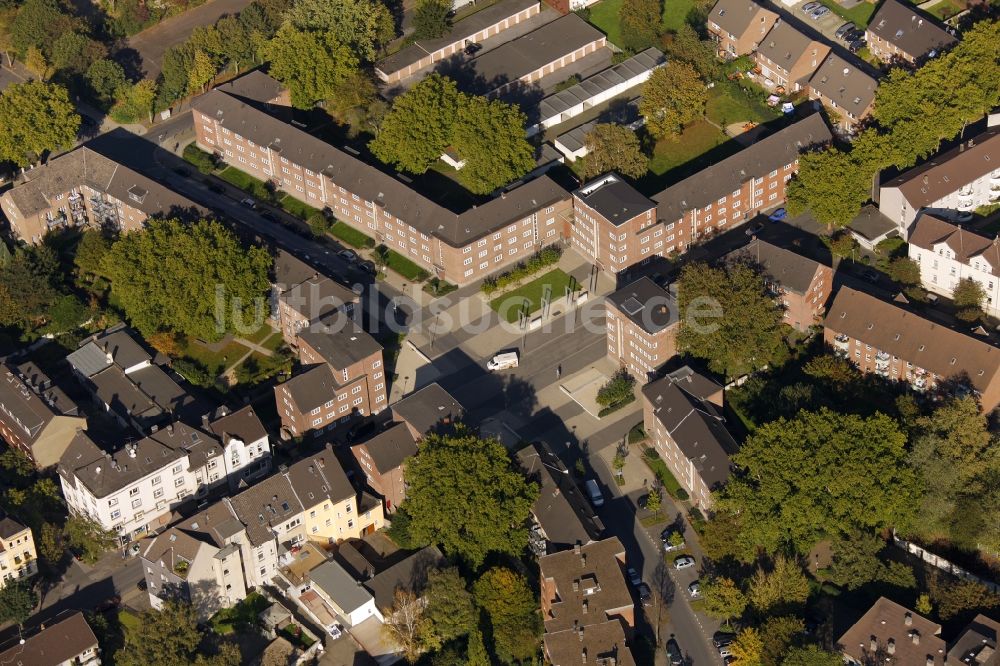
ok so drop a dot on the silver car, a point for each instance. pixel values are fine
(809, 6)
(684, 562)
(818, 13)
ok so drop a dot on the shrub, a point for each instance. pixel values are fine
(615, 407)
(618, 391)
(204, 162)
(533, 264)
(193, 371)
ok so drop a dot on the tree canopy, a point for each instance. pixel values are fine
(363, 26)
(432, 19)
(310, 63)
(820, 474)
(489, 136)
(728, 317)
(641, 23)
(613, 147)
(418, 127)
(35, 118)
(674, 96)
(512, 609)
(450, 609)
(453, 474)
(168, 637)
(17, 601)
(194, 279)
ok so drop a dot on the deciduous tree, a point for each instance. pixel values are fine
(432, 19)
(87, 536)
(17, 601)
(406, 625)
(202, 71)
(450, 610)
(723, 599)
(748, 648)
(512, 609)
(728, 317)
(781, 588)
(905, 271)
(641, 23)
(613, 148)
(105, 77)
(168, 637)
(820, 474)
(481, 475)
(310, 63)
(673, 97)
(811, 655)
(364, 26)
(39, 23)
(418, 127)
(476, 654)
(214, 280)
(831, 184)
(489, 136)
(35, 118)
(777, 635)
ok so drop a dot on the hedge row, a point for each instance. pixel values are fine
(533, 264)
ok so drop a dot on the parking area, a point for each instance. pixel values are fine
(825, 25)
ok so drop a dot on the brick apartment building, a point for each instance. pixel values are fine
(36, 418)
(787, 57)
(947, 253)
(682, 415)
(847, 91)
(345, 378)
(458, 247)
(609, 215)
(84, 188)
(587, 606)
(738, 26)
(486, 23)
(802, 284)
(892, 634)
(950, 184)
(382, 459)
(261, 91)
(894, 343)
(430, 409)
(301, 296)
(897, 33)
(642, 323)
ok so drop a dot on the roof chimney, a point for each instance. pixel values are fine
(873, 644)
(915, 637)
(908, 619)
(890, 647)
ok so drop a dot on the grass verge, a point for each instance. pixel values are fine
(859, 15)
(293, 206)
(509, 305)
(246, 182)
(348, 234)
(663, 474)
(408, 269)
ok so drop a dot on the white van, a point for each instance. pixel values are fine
(596, 498)
(502, 361)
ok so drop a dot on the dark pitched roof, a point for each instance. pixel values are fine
(602, 643)
(54, 645)
(307, 291)
(616, 200)
(920, 341)
(977, 644)
(9, 527)
(695, 425)
(846, 84)
(391, 447)
(784, 45)
(83, 166)
(408, 574)
(374, 185)
(212, 527)
(509, 62)
(945, 173)
(592, 573)
(886, 620)
(21, 408)
(565, 515)
(426, 408)
(770, 153)
(647, 304)
(254, 87)
(459, 32)
(871, 223)
(735, 16)
(39, 382)
(312, 387)
(790, 270)
(115, 346)
(913, 33)
(242, 424)
(340, 342)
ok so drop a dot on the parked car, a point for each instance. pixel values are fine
(844, 30)
(694, 589)
(633, 577)
(348, 255)
(645, 595)
(249, 203)
(818, 13)
(778, 215)
(667, 537)
(594, 492)
(269, 216)
(723, 638)
(870, 274)
(503, 361)
(368, 267)
(857, 45)
(754, 229)
(809, 6)
(854, 35)
(335, 631)
(684, 562)
(725, 652)
(473, 48)
(674, 653)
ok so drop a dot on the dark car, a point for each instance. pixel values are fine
(870, 274)
(723, 638)
(473, 48)
(844, 30)
(182, 171)
(674, 652)
(269, 216)
(108, 604)
(857, 45)
(854, 35)
(368, 267)
(645, 594)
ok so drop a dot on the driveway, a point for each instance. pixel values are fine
(826, 25)
(152, 43)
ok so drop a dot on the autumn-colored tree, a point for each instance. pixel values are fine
(674, 96)
(613, 147)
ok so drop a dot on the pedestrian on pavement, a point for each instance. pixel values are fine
(558, 371)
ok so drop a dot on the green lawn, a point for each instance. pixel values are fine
(261, 334)
(405, 267)
(245, 182)
(240, 617)
(666, 478)
(946, 9)
(728, 103)
(214, 361)
(859, 15)
(533, 292)
(350, 235)
(694, 142)
(604, 15)
(297, 208)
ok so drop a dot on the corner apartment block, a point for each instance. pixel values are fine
(802, 285)
(18, 558)
(301, 296)
(898, 34)
(951, 184)
(899, 345)
(642, 323)
(682, 413)
(36, 418)
(587, 606)
(86, 189)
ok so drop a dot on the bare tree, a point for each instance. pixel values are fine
(406, 626)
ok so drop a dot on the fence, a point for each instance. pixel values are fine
(941, 563)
